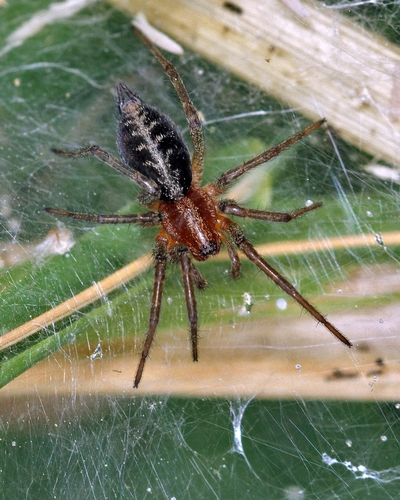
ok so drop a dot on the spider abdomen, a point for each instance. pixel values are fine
(150, 143)
(191, 221)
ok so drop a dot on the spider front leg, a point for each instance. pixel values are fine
(160, 256)
(236, 233)
(188, 280)
(233, 257)
(198, 279)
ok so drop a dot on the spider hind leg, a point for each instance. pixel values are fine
(192, 115)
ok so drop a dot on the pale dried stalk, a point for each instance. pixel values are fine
(318, 60)
(77, 302)
(127, 273)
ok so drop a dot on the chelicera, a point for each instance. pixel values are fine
(193, 219)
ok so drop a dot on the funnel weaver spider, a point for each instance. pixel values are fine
(192, 218)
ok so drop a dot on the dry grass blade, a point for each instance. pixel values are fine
(141, 265)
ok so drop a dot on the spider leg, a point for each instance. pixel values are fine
(160, 256)
(236, 233)
(187, 277)
(113, 162)
(232, 208)
(223, 181)
(199, 281)
(192, 116)
(233, 257)
(146, 219)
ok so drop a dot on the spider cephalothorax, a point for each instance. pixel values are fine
(193, 219)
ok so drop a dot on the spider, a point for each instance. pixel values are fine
(193, 219)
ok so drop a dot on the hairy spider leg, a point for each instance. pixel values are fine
(232, 208)
(192, 116)
(147, 219)
(160, 257)
(199, 281)
(190, 277)
(110, 160)
(191, 306)
(237, 235)
(221, 184)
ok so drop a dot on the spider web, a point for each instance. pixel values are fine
(275, 408)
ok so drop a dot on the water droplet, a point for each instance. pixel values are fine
(294, 493)
(247, 305)
(379, 240)
(97, 353)
(281, 304)
(243, 311)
